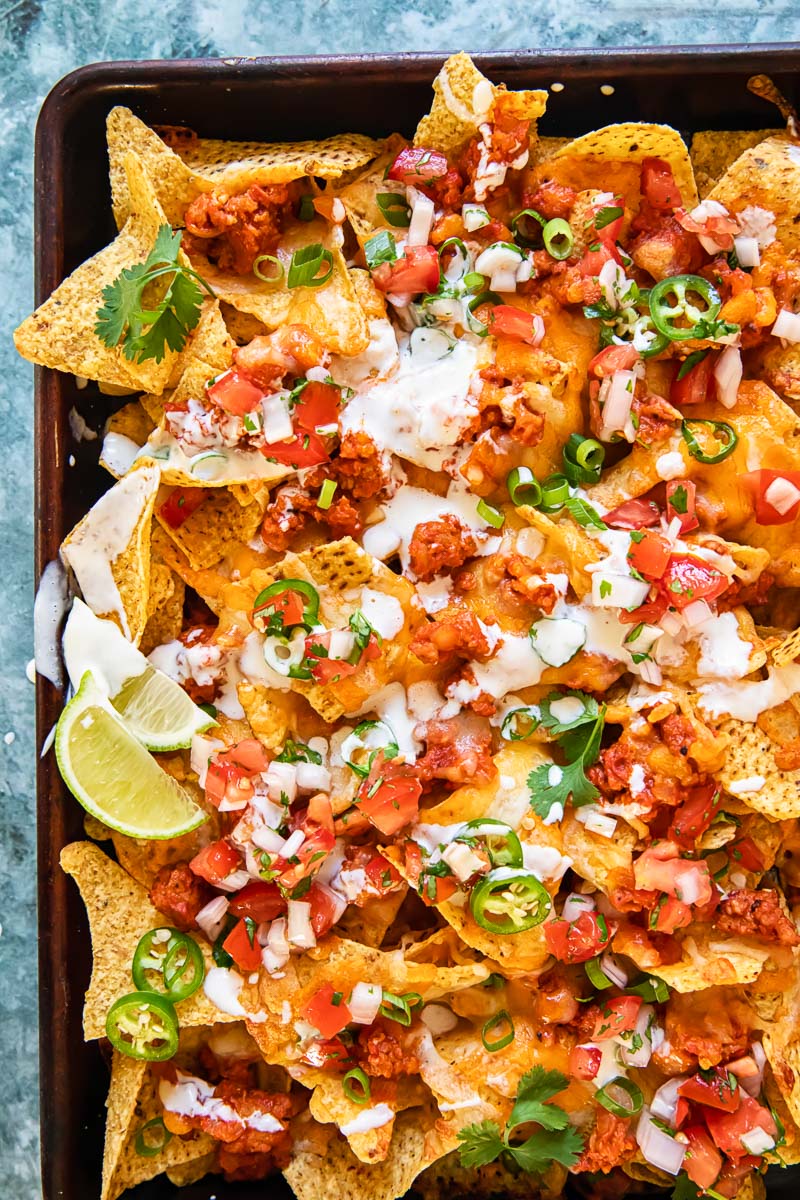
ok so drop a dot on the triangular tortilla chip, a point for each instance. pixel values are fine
(209, 162)
(462, 98)
(120, 913)
(708, 960)
(751, 758)
(713, 151)
(329, 1105)
(218, 526)
(766, 176)
(108, 551)
(60, 334)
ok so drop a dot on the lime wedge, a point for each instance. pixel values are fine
(112, 774)
(155, 709)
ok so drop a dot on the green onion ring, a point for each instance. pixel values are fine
(523, 487)
(394, 208)
(499, 1019)
(360, 1094)
(269, 278)
(146, 1149)
(555, 492)
(305, 266)
(519, 223)
(491, 515)
(597, 975)
(558, 238)
(620, 1087)
(395, 1008)
(508, 729)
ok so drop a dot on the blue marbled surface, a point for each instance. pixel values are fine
(41, 40)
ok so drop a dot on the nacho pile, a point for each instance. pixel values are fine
(449, 574)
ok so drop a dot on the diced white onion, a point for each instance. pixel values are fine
(427, 346)
(271, 813)
(524, 271)
(696, 613)
(671, 624)
(611, 279)
(462, 861)
(202, 749)
(651, 672)
(438, 1018)
(616, 398)
(422, 210)
(757, 1141)
(211, 917)
(503, 281)
(281, 779)
(277, 422)
(787, 326)
(601, 824)
(728, 374)
(268, 839)
(747, 251)
(752, 1083)
(227, 805)
(645, 1030)
(664, 1104)
(276, 937)
(574, 905)
(313, 777)
(474, 216)
(292, 844)
(300, 931)
(657, 1147)
(365, 1000)
(498, 257)
(234, 881)
(620, 591)
(782, 495)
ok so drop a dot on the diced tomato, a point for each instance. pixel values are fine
(324, 205)
(309, 858)
(317, 408)
(660, 869)
(702, 1161)
(329, 670)
(215, 862)
(611, 231)
(649, 553)
(228, 773)
(681, 501)
(507, 321)
(416, 165)
(432, 889)
(593, 261)
(181, 503)
(579, 940)
(248, 755)
(327, 1011)
(716, 1088)
(745, 853)
(697, 386)
(417, 271)
(328, 1054)
(688, 578)
(242, 945)
(616, 1016)
(658, 186)
(584, 1061)
(650, 612)
(291, 606)
(758, 484)
(391, 800)
(259, 900)
(633, 514)
(670, 914)
(733, 1175)
(235, 393)
(611, 359)
(694, 816)
(745, 1067)
(303, 450)
(726, 1128)
(682, 1110)
(382, 875)
(324, 909)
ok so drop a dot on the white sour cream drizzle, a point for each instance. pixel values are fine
(49, 607)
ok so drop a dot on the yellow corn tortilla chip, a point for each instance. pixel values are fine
(419, 1139)
(714, 150)
(216, 527)
(60, 334)
(266, 717)
(120, 913)
(788, 650)
(751, 757)
(108, 551)
(447, 1177)
(330, 1106)
(207, 163)
(132, 1101)
(210, 341)
(131, 421)
(369, 923)
(165, 619)
(332, 310)
(457, 111)
(359, 196)
(587, 160)
(708, 960)
(187, 1173)
(766, 176)
(242, 326)
(598, 859)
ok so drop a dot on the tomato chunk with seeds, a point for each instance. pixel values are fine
(327, 1011)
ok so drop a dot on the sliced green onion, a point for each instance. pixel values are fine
(306, 264)
(558, 238)
(597, 975)
(621, 1097)
(455, 268)
(527, 227)
(651, 989)
(518, 724)
(146, 1143)
(606, 215)
(473, 280)
(326, 493)
(380, 248)
(583, 459)
(361, 1093)
(720, 430)
(523, 487)
(394, 208)
(395, 1008)
(498, 1021)
(276, 275)
(474, 323)
(584, 513)
(306, 211)
(555, 493)
(691, 362)
(491, 515)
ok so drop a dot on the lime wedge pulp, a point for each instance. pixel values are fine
(113, 775)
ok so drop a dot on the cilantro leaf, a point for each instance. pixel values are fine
(535, 1088)
(581, 746)
(481, 1144)
(684, 1189)
(542, 1149)
(555, 725)
(146, 333)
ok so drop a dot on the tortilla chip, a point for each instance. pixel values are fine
(266, 718)
(210, 162)
(242, 326)
(457, 112)
(713, 151)
(628, 143)
(219, 525)
(418, 1141)
(332, 311)
(788, 650)
(120, 913)
(708, 960)
(132, 1101)
(599, 859)
(752, 757)
(369, 923)
(60, 334)
(165, 619)
(329, 1105)
(359, 196)
(108, 551)
(210, 341)
(131, 421)
(766, 176)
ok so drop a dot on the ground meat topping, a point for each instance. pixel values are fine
(179, 894)
(438, 545)
(757, 914)
(232, 231)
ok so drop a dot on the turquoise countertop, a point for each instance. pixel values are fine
(42, 40)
